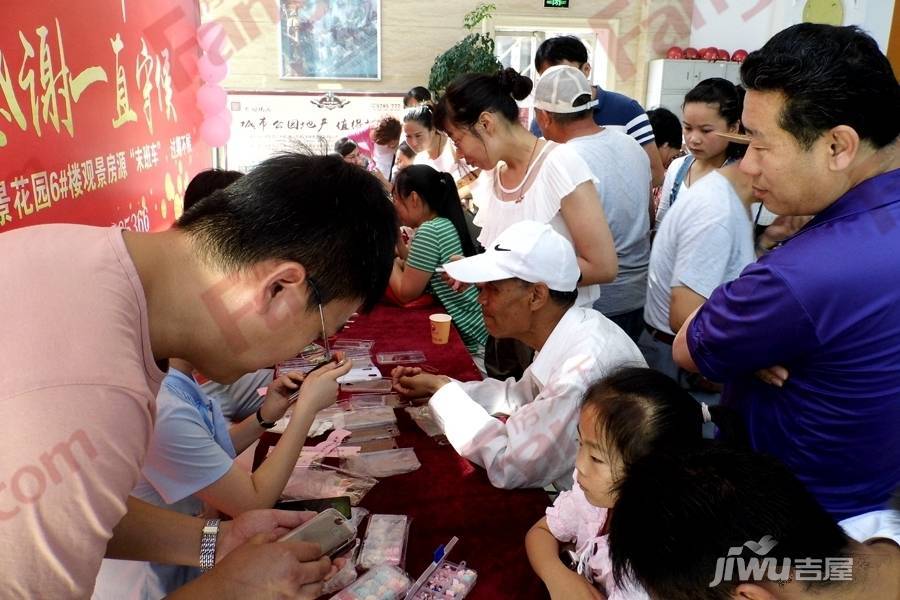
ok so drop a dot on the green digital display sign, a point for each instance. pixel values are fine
(556, 3)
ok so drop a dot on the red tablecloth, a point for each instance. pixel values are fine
(449, 495)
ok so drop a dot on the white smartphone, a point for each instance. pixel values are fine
(329, 529)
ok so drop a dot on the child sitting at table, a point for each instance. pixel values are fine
(428, 200)
(624, 416)
(190, 468)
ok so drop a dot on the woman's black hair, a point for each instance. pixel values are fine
(438, 191)
(422, 114)
(474, 93)
(344, 146)
(418, 93)
(730, 101)
(641, 410)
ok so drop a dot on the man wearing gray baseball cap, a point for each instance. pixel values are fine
(527, 289)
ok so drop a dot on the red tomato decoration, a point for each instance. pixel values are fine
(739, 55)
(724, 55)
(710, 54)
(691, 53)
(675, 53)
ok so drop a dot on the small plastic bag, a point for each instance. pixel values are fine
(365, 401)
(375, 386)
(381, 583)
(355, 344)
(346, 574)
(403, 357)
(368, 434)
(365, 417)
(357, 514)
(425, 420)
(383, 464)
(449, 581)
(318, 480)
(385, 542)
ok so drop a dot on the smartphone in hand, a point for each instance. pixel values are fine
(329, 529)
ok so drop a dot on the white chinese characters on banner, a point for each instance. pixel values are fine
(264, 124)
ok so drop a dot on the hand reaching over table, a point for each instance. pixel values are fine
(278, 395)
(414, 383)
(320, 386)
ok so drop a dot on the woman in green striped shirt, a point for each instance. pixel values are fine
(427, 200)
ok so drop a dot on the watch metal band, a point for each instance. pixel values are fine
(208, 544)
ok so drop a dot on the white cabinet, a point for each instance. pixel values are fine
(669, 80)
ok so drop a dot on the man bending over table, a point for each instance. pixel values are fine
(247, 277)
(527, 289)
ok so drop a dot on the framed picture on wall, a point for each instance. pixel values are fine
(330, 39)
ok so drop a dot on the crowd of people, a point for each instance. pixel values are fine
(618, 292)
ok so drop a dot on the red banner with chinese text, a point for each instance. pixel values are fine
(98, 122)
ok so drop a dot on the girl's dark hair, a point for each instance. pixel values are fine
(344, 146)
(474, 93)
(730, 100)
(641, 410)
(418, 93)
(438, 191)
(422, 114)
(387, 130)
(406, 150)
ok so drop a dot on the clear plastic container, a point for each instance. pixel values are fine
(385, 542)
(384, 582)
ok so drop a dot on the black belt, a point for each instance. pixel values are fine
(662, 336)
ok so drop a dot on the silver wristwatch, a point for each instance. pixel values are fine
(208, 544)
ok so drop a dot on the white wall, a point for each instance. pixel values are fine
(733, 24)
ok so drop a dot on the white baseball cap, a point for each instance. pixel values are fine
(559, 87)
(528, 250)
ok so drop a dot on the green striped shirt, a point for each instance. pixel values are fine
(433, 245)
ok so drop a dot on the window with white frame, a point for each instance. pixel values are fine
(516, 47)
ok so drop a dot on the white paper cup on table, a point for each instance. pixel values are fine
(440, 328)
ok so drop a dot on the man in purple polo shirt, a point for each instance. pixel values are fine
(820, 312)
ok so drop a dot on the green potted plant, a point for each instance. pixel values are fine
(473, 54)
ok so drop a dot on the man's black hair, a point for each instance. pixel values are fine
(330, 216)
(829, 76)
(555, 50)
(206, 182)
(666, 127)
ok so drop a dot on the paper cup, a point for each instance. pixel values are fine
(440, 328)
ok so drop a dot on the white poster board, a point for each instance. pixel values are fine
(264, 124)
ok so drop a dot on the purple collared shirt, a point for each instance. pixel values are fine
(825, 305)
